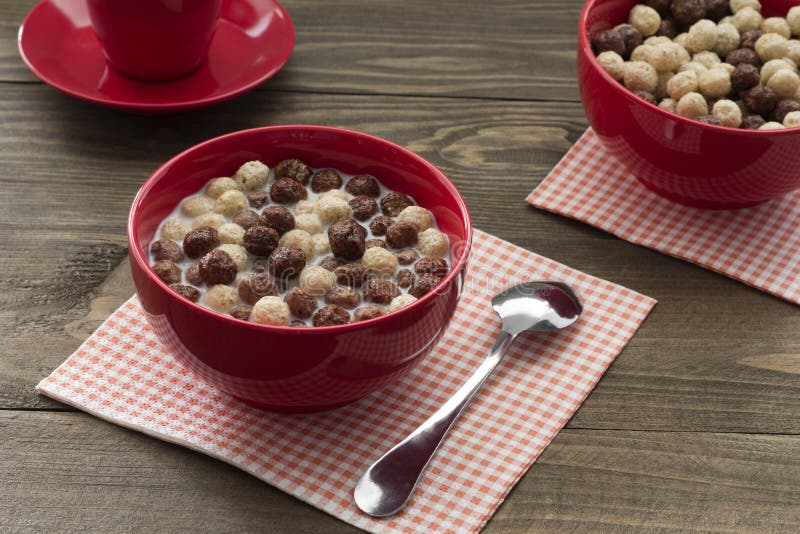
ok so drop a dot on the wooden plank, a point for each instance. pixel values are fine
(702, 360)
(502, 49)
(69, 472)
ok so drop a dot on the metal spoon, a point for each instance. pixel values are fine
(538, 306)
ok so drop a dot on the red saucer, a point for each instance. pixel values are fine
(253, 41)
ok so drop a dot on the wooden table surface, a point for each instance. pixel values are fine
(695, 426)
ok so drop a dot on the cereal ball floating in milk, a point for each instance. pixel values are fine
(194, 206)
(252, 175)
(432, 242)
(174, 229)
(299, 239)
(305, 206)
(331, 208)
(230, 202)
(379, 261)
(217, 186)
(238, 254)
(315, 280)
(418, 215)
(221, 297)
(215, 220)
(271, 311)
(401, 301)
(308, 222)
(322, 245)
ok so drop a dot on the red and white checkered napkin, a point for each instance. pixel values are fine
(122, 374)
(759, 246)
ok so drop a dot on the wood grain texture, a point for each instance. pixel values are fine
(71, 472)
(673, 375)
(503, 49)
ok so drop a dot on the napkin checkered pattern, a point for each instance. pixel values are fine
(759, 246)
(122, 374)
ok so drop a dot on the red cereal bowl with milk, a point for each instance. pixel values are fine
(271, 363)
(695, 164)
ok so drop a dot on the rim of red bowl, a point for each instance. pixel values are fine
(586, 47)
(455, 269)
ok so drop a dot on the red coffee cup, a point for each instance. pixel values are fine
(155, 39)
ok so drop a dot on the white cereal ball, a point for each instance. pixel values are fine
(738, 5)
(304, 206)
(645, 19)
(728, 113)
(321, 244)
(777, 25)
(221, 297)
(726, 20)
(271, 310)
(433, 243)
(252, 175)
(612, 63)
(417, 215)
(793, 19)
(174, 229)
(702, 36)
(217, 186)
(792, 119)
(642, 53)
(747, 19)
(401, 301)
(656, 40)
(771, 67)
(308, 222)
(335, 193)
(194, 206)
(380, 261)
(299, 239)
(726, 67)
(785, 83)
(238, 254)
(681, 84)
(231, 233)
(665, 57)
(315, 280)
(668, 104)
(728, 39)
(692, 105)
(681, 39)
(793, 51)
(772, 46)
(640, 76)
(694, 66)
(772, 125)
(707, 58)
(215, 220)
(331, 208)
(230, 202)
(715, 83)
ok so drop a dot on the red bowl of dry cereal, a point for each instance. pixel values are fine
(299, 268)
(699, 99)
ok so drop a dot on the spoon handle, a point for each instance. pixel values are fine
(388, 483)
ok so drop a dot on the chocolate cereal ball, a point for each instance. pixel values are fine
(760, 100)
(393, 203)
(260, 240)
(293, 169)
(258, 199)
(330, 263)
(167, 249)
(748, 39)
(241, 312)
(193, 275)
(300, 303)
(278, 218)
(753, 122)
(347, 238)
(662, 6)
(402, 235)
(286, 262)
(351, 274)
(687, 12)
(435, 266)
(609, 41)
(407, 256)
(343, 296)
(743, 55)
(667, 29)
(238, 254)
(216, 186)
(405, 278)
(363, 185)
(744, 77)
(424, 284)
(363, 207)
(380, 224)
(325, 180)
(717, 9)
(709, 119)
(287, 191)
(187, 292)
(401, 301)
(647, 97)
(255, 286)
(168, 271)
(369, 243)
(369, 311)
(379, 261)
(252, 175)
(247, 218)
(272, 311)
(199, 241)
(217, 267)
(631, 37)
(380, 291)
(331, 315)
(783, 108)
